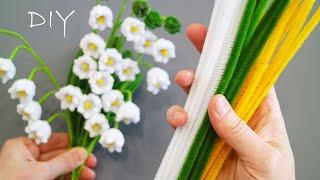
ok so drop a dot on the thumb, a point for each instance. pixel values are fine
(66, 162)
(235, 131)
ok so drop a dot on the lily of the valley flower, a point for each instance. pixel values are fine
(128, 70)
(145, 44)
(23, 89)
(113, 140)
(39, 131)
(110, 61)
(89, 105)
(163, 50)
(7, 70)
(101, 17)
(100, 82)
(157, 79)
(69, 97)
(92, 45)
(128, 113)
(112, 101)
(132, 28)
(84, 66)
(96, 125)
(30, 111)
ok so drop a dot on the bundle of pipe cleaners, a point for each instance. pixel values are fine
(249, 43)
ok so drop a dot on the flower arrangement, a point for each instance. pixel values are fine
(102, 80)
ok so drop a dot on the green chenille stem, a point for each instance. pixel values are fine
(251, 52)
(193, 153)
(128, 95)
(34, 72)
(262, 30)
(46, 96)
(117, 23)
(27, 46)
(68, 121)
(16, 51)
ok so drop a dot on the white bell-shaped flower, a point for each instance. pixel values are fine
(157, 79)
(92, 45)
(89, 105)
(101, 17)
(96, 125)
(113, 140)
(7, 70)
(39, 131)
(128, 70)
(69, 97)
(23, 89)
(128, 113)
(30, 111)
(110, 60)
(163, 50)
(100, 82)
(84, 66)
(112, 101)
(145, 44)
(133, 29)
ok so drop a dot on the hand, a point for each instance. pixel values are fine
(21, 158)
(261, 148)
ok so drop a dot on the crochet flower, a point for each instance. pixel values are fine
(69, 97)
(101, 17)
(84, 66)
(23, 89)
(110, 61)
(163, 50)
(100, 82)
(172, 25)
(157, 79)
(111, 101)
(132, 29)
(39, 131)
(113, 140)
(96, 125)
(30, 111)
(92, 45)
(145, 44)
(128, 70)
(7, 70)
(89, 105)
(128, 113)
(153, 20)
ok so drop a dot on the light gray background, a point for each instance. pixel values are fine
(297, 89)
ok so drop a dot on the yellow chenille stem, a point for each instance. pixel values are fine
(212, 171)
(263, 91)
(279, 59)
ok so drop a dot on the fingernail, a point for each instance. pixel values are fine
(222, 106)
(177, 116)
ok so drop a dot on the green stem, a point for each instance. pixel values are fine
(117, 23)
(15, 51)
(45, 97)
(98, 2)
(34, 72)
(16, 35)
(52, 118)
(128, 95)
(116, 125)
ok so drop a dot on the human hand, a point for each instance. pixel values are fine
(21, 158)
(261, 148)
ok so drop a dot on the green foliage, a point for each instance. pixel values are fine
(153, 20)
(127, 54)
(172, 25)
(140, 8)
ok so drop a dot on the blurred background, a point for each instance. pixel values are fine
(147, 141)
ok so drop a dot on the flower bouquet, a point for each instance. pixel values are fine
(102, 79)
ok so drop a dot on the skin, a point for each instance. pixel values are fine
(21, 158)
(261, 149)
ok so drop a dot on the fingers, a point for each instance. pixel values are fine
(65, 162)
(56, 141)
(235, 132)
(197, 34)
(87, 174)
(176, 116)
(91, 161)
(184, 79)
